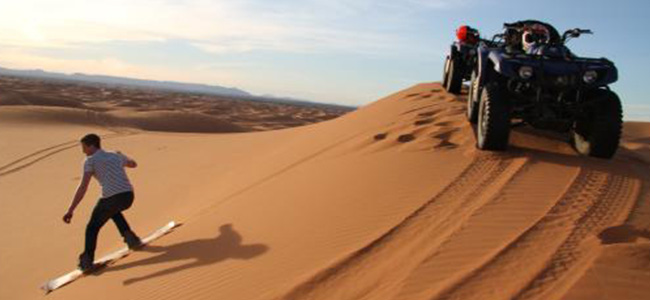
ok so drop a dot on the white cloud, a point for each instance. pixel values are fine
(15, 58)
(217, 26)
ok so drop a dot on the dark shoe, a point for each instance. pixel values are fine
(85, 262)
(132, 240)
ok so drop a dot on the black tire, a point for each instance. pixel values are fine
(454, 76)
(472, 99)
(493, 119)
(598, 132)
(445, 73)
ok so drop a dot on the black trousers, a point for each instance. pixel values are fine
(107, 208)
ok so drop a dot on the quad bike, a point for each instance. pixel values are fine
(461, 59)
(546, 87)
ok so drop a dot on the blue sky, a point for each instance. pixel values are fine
(348, 52)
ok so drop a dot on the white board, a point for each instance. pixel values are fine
(58, 282)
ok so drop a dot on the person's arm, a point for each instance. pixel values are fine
(78, 196)
(128, 162)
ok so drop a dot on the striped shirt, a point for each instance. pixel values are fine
(108, 169)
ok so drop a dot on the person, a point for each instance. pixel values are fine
(534, 38)
(467, 35)
(117, 196)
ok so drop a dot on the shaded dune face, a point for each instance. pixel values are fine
(391, 201)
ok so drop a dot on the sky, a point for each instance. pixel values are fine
(349, 52)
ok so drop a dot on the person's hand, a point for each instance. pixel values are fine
(67, 217)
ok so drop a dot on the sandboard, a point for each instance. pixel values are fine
(58, 282)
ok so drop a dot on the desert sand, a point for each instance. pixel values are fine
(391, 201)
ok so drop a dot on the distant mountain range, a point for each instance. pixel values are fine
(112, 80)
(159, 85)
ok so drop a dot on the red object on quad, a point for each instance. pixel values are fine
(467, 34)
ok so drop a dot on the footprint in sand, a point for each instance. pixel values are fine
(411, 95)
(445, 133)
(423, 122)
(422, 97)
(380, 136)
(445, 145)
(405, 138)
(450, 123)
(444, 136)
(418, 108)
(448, 112)
(429, 113)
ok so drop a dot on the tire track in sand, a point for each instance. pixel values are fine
(44, 153)
(575, 255)
(385, 261)
(28, 156)
(549, 257)
(518, 206)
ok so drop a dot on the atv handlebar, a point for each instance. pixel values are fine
(495, 39)
(574, 33)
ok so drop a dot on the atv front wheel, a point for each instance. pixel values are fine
(493, 119)
(454, 77)
(472, 99)
(598, 132)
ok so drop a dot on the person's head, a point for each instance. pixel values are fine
(90, 143)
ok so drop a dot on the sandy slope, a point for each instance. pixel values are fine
(391, 201)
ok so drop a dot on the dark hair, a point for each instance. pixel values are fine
(92, 140)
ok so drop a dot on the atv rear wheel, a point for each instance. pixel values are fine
(598, 132)
(454, 77)
(472, 99)
(493, 119)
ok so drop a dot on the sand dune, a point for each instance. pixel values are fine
(167, 121)
(26, 100)
(391, 201)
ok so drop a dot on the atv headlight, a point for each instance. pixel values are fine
(526, 72)
(590, 76)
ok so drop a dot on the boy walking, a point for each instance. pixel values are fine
(117, 196)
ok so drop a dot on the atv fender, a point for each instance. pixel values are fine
(488, 67)
(454, 50)
(482, 65)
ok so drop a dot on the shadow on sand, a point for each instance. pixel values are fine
(622, 234)
(227, 245)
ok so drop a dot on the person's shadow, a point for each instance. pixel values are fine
(204, 252)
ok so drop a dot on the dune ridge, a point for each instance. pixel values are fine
(391, 201)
